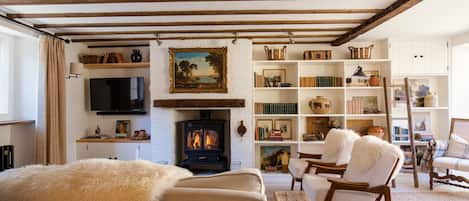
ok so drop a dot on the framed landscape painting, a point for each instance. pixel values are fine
(197, 70)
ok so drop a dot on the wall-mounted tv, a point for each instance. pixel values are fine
(117, 95)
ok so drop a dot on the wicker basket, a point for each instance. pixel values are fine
(90, 59)
(276, 53)
(360, 52)
(317, 55)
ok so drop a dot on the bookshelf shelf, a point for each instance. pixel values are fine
(322, 115)
(364, 88)
(275, 115)
(261, 142)
(366, 115)
(322, 88)
(311, 142)
(276, 88)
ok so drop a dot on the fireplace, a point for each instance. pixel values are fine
(203, 144)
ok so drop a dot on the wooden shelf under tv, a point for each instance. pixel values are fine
(111, 140)
(118, 65)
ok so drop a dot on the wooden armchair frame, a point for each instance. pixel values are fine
(341, 184)
(321, 168)
(445, 179)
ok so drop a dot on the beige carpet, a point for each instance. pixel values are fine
(404, 191)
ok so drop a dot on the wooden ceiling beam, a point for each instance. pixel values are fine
(42, 2)
(391, 11)
(204, 38)
(195, 12)
(202, 31)
(288, 42)
(203, 23)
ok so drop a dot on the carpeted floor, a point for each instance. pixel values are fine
(404, 191)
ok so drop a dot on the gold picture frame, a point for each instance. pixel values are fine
(210, 65)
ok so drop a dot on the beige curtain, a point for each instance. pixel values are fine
(51, 142)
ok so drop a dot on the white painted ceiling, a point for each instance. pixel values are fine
(430, 18)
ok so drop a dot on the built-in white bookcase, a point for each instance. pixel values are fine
(393, 59)
(302, 95)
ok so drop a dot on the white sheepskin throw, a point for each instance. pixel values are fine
(369, 149)
(338, 146)
(90, 180)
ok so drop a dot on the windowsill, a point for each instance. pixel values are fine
(16, 122)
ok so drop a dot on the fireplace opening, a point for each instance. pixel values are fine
(203, 142)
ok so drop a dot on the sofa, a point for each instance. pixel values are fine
(242, 185)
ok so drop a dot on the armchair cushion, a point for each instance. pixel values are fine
(451, 163)
(316, 187)
(338, 146)
(297, 167)
(247, 180)
(458, 147)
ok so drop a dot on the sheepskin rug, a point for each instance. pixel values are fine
(90, 180)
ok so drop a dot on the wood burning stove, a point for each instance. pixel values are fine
(201, 145)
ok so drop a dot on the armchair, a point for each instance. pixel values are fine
(374, 163)
(337, 148)
(440, 158)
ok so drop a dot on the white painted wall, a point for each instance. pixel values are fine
(239, 86)
(460, 81)
(23, 98)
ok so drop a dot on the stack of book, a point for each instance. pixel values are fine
(276, 135)
(262, 133)
(259, 80)
(321, 81)
(276, 108)
(400, 133)
(354, 107)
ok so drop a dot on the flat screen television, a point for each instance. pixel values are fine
(117, 95)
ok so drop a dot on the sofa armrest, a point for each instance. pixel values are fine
(208, 194)
(248, 180)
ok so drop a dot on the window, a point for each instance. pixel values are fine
(5, 77)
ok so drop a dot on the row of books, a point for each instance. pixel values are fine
(265, 134)
(400, 133)
(259, 80)
(276, 108)
(321, 81)
(354, 107)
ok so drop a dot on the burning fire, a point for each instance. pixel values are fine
(197, 142)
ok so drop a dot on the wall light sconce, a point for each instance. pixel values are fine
(75, 70)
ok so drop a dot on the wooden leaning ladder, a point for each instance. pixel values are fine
(410, 125)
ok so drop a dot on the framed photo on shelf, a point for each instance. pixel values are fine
(370, 103)
(419, 88)
(122, 128)
(198, 70)
(360, 125)
(266, 124)
(421, 122)
(285, 126)
(273, 77)
(275, 158)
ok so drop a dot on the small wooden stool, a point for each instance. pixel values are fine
(290, 196)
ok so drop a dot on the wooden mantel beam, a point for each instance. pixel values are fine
(193, 12)
(391, 11)
(42, 2)
(285, 30)
(204, 23)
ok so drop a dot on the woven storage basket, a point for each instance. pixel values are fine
(360, 52)
(276, 53)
